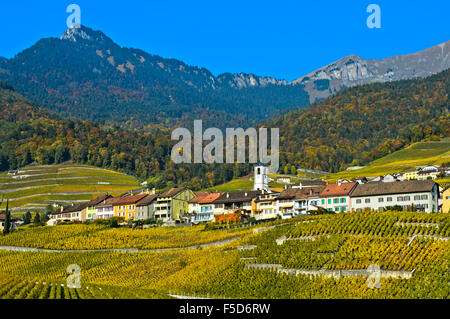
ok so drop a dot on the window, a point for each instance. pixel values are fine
(358, 201)
(424, 197)
(323, 201)
(380, 200)
(406, 198)
(400, 199)
(336, 201)
(329, 200)
(417, 197)
(389, 199)
(343, 200)
(367, 200)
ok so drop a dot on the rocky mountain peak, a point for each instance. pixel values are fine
(353, 70)
(80, 33)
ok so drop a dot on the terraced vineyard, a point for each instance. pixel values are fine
(35, 187)
(416, 155)
(325, 256)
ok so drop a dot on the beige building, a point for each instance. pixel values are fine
(410, 195)
(410, 174)
(71, 213)
(446, 200)
(265, 206)
(173, 204)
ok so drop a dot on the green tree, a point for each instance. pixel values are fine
(7, 224)
(27, 218)
(293, 170)
(37, 218)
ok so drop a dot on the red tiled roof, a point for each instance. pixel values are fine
(198, 197)
(130, 199)
(338, 189)
(210, 198)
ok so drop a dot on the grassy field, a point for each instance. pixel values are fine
(394, 241)
(35, 187)
(416, 155)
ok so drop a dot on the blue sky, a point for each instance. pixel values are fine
(284, 39)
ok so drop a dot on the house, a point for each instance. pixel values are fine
(283, 180)
(265, 206)
(126, 206)
(206, 209)
(230, 202)
(71, 213)
(446, 200)
(410, 174)
(233, 206)
(173, 204)
(14, 222)
(298, 201)
(412, 194)
(91, 209)
(105, 209)
(145, 208)
(431, 173)
(194, 206)
(430, 168)
(336, 196)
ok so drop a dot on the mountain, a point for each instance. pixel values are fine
(84, 74)
(353, 70)
(363, 123)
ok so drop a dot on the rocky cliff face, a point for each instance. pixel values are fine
(243, 80)
(353, 70)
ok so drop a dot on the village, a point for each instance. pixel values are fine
(412, 190)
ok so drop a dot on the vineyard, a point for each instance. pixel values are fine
(81, 237)
(413, 243)
(33, 188)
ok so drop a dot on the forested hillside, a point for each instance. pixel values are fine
(30, 134)
(364, 123)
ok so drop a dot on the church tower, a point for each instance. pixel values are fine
(261, 177)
